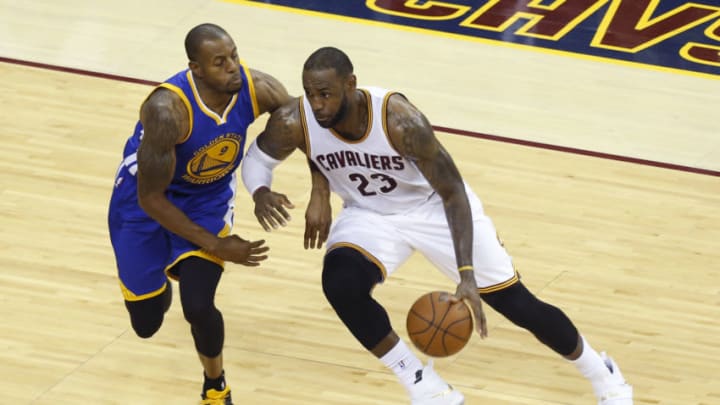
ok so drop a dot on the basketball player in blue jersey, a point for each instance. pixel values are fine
(401, 193)
(172, 205)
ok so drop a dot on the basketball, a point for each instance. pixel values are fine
(439, 328)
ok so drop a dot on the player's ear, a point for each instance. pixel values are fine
(195, 68)
(351, 81)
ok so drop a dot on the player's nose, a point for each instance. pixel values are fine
(317, 104)
(233, 65)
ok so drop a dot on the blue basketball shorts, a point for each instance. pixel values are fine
(145, 252)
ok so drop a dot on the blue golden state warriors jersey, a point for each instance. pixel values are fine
(203, 187)
(208, 155)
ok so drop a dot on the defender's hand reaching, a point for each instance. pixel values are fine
(238, 250)
(270, 208)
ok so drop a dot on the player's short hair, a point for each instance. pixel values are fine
(200, 33)
(329, 58)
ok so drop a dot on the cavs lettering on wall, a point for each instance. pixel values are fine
(671, 33)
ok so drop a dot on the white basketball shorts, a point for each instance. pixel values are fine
(389, 240)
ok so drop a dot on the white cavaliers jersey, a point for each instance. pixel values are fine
(367, 173)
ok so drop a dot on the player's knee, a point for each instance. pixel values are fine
(348, 276)
(146, 316)
(548, 323)
(196, 312)
(515, 303)
(144, 330)
(198, 282)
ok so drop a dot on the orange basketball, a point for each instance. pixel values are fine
(439, 328)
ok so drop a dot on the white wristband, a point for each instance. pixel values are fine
(257, 167)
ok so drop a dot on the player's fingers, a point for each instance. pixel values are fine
(323, 235)
(281, 215)
(286, 202)
(256, 258)
(312, 237)
(271, 219)
(483, 326)
(480, 320)
(262, 222)
(258, 252)
(258, 244)
(307, 237)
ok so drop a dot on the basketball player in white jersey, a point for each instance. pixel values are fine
(401, 193)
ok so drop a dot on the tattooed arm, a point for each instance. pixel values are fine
(413, 136)
(269, 92)
(165, 122)
(282, 135)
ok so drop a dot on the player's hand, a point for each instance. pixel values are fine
(467, 291)
(238, 250)
(270, 208)
(318, 217)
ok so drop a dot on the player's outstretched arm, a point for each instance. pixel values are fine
(282, 135)
(413, 136)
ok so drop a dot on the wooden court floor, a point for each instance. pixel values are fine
(629, 251)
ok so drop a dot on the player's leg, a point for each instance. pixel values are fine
(142, 250)
(146, 315)
(553, 328)
(199, 279)
(141, 253)
(362, 252)
(500, 288)
(198, 275)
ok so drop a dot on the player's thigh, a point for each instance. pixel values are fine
(142, 252)
(180, 249)
(493, 266)
(373, 235)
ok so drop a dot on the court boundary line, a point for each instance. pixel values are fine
(454, 131)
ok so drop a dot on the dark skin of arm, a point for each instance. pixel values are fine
(282, 135)
(413, 137)
(165, 122)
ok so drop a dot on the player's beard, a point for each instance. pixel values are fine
(339, 115)
(232, 89)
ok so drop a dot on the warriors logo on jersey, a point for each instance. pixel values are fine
(214, 160)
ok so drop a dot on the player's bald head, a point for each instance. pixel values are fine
(200, 34)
